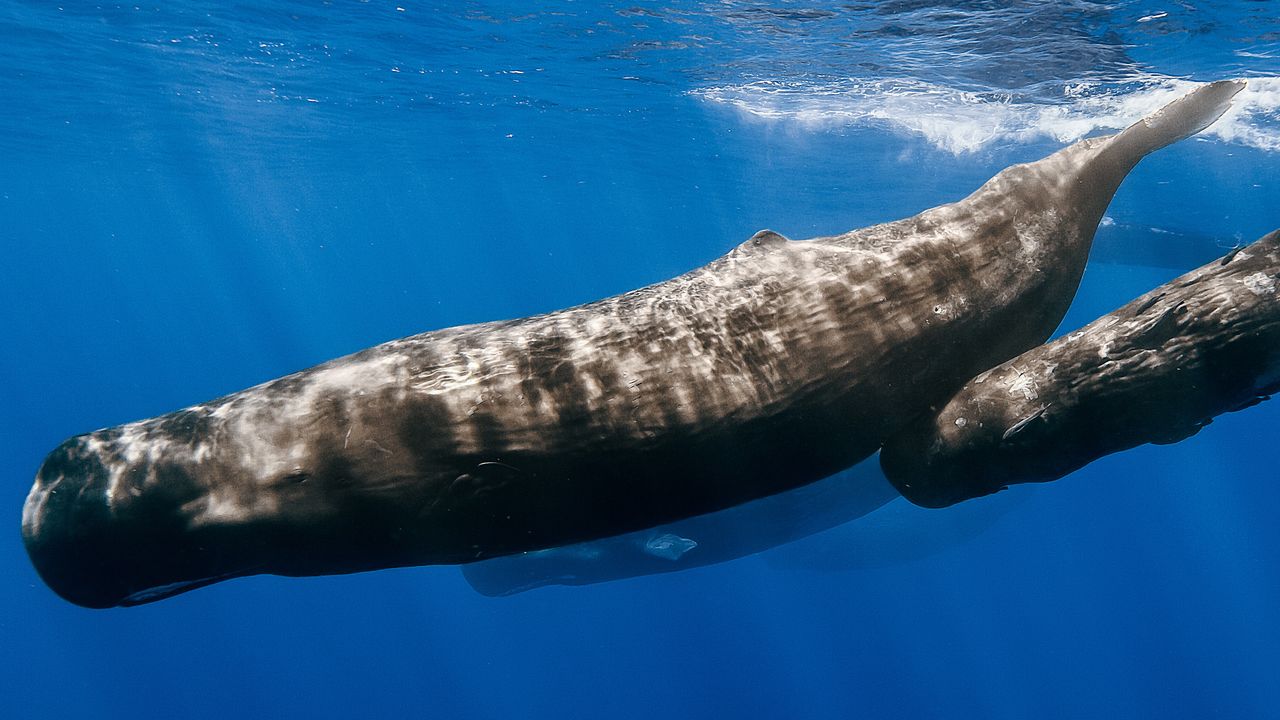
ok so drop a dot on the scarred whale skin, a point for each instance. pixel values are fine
(773, 366)
(1154, 371)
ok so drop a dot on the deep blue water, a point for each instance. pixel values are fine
(195, 198)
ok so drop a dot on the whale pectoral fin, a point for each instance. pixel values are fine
(1180, 119)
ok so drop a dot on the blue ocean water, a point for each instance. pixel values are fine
(198, 197)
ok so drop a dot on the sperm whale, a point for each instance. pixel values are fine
(776, 365)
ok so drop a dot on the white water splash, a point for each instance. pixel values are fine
(961, 121)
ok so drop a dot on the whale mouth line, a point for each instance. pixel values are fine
(160, 592)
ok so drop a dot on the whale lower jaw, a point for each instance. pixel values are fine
(161, 592)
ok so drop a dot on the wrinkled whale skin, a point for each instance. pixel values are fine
(771, 367)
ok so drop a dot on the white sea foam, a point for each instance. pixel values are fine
(962, 121)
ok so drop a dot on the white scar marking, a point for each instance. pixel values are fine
(1023, 385)
(202, 452)
(1260, 284)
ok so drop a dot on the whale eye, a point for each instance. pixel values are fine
(297, 477)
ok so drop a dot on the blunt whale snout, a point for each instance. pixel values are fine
(102, 531)
(69, 530)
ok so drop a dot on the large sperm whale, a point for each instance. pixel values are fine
(771, 367)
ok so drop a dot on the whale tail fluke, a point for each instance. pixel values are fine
(1180, 119)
